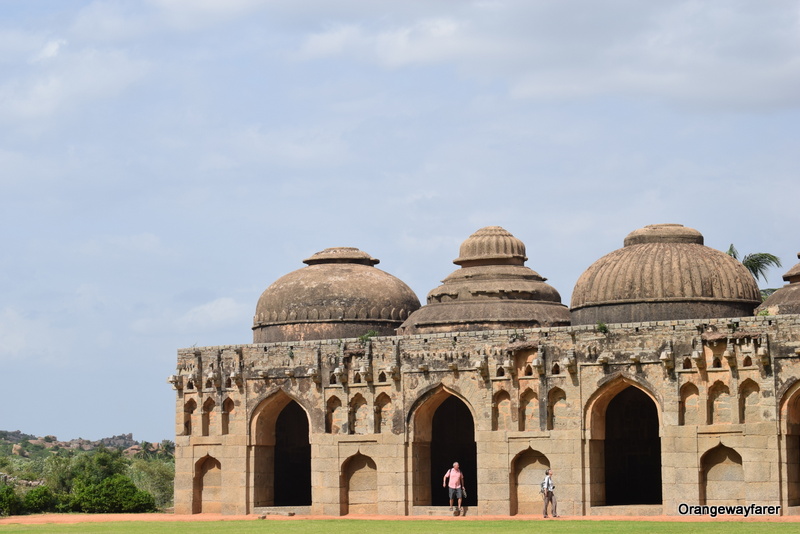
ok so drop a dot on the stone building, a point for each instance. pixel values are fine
(658, 387)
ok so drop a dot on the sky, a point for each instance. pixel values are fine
(162, 162)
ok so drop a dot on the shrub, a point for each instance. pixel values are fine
(115, 494)
(39, 499)
(10, 503)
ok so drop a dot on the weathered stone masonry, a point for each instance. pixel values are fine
(534, 394)
(634, 418)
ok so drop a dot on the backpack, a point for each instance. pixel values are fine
(543, 486)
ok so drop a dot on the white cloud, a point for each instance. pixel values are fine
(218, 313)
(112, 21)
(68, 80)
(124, 246)
(16, 44)
(195, 14)
(29, 337)
(313, 147)
(683, 51)
(50, 50)
(426, 41)
(215, 315)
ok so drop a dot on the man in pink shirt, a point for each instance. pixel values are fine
(455, 485)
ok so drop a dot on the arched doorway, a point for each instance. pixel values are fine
(790, 413)
(632, 461)
(281, 453)
(292, 458)
(453, 440)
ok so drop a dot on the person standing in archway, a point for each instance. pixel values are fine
(455, 484)
(548, 489)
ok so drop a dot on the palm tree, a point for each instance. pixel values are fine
(757, 263)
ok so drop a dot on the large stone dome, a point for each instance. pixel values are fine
(492, 290)
(663, 272)
(339, 294)
(786, 299)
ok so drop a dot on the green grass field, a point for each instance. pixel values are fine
(354, 526)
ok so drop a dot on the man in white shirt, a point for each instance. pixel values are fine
(549, 495)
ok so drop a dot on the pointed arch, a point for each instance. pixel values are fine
(359, 485)
(359, 415)
(722, 477)
(501, 411)
(441, 431)
(556, 409)
(527, 472)
(529, 410)
(189, 408)
(790, 426)
(383, 414)
(227, 410)
(208, 415)
(420, 415)
(207, 486)
(719, 404)
(335, 416)
(281, 452)
(621, 409)
(595, 409)
(749, 402)
(690, 405)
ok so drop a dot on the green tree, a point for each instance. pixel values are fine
(58, 473)
(39, 499)
(99, 465)
(156, 477)
(757, 262)
(167, 449)
(10, 503)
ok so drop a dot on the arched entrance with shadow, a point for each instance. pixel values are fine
(624, 445)
(443, 432)
(632, 449)
(453, 440)
(790, 423)
(281, 453)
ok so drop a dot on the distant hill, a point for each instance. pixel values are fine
(18, 443)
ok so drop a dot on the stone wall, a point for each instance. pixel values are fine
(724, 393)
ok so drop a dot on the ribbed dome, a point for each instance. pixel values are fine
(492, 290)
(786, 299)
(663, 272)
(338, 295)
(494, 244)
